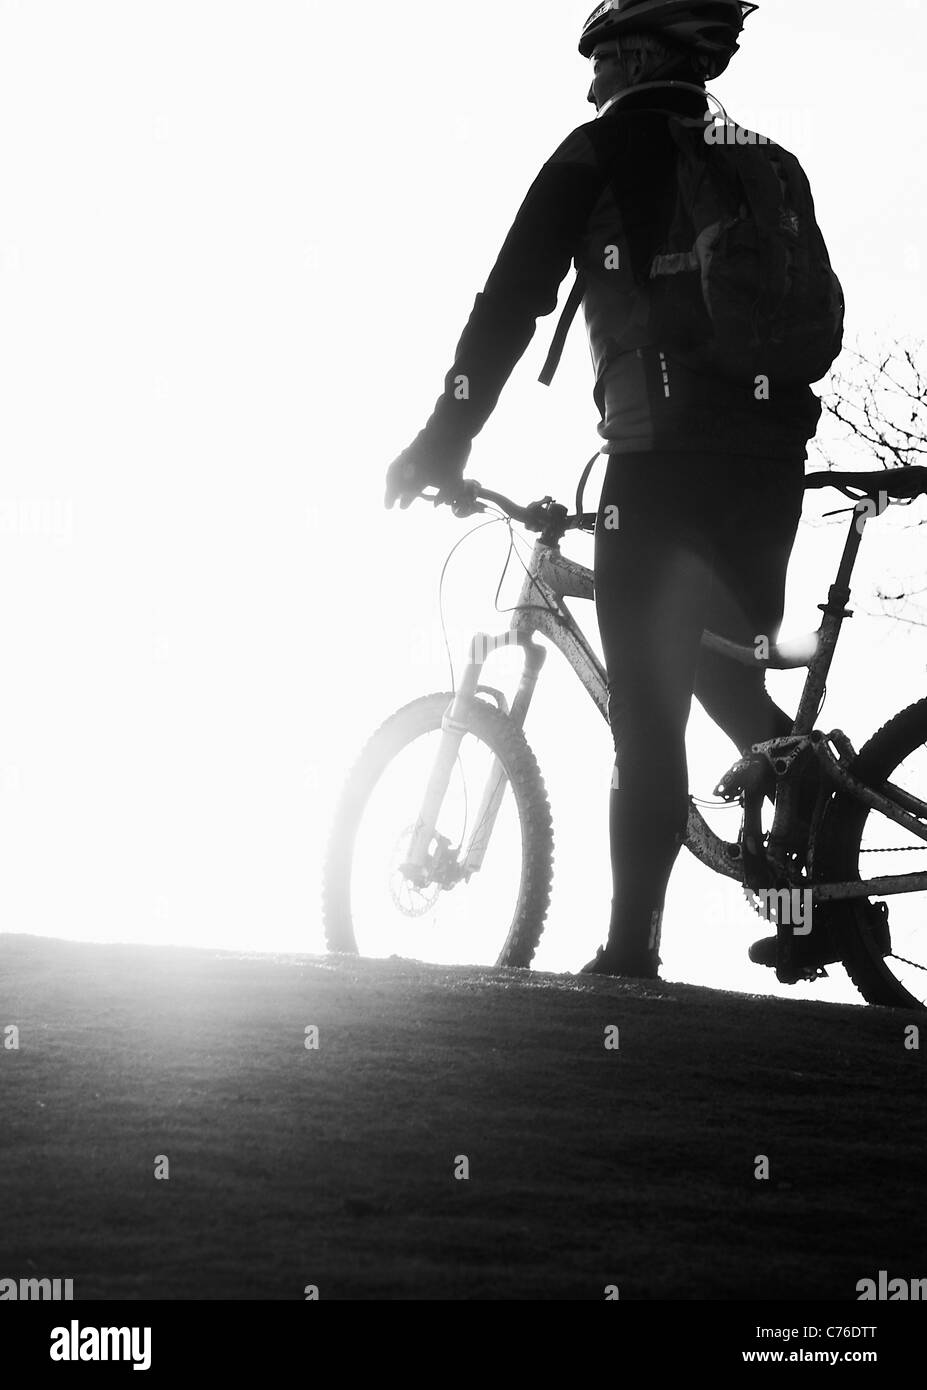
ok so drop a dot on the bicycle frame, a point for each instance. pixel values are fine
(551, 579)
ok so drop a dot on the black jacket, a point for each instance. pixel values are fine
(611, 183)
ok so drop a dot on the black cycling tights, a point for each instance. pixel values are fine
(683, 542)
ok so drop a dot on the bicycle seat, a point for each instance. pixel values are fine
(901, 483)
(790, 654)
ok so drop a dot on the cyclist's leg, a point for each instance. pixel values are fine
(760, 515)
(653, 589)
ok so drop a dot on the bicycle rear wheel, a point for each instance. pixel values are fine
(493, 916)
(859, 843)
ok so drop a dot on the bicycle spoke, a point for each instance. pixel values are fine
(886, 849)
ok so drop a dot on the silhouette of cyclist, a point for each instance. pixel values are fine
(708, 479)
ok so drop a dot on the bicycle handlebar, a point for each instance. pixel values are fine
(902, 483)
(537, 516)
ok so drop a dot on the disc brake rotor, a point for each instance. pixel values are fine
(417, 899)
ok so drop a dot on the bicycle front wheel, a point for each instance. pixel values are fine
(446, 912)
(885, 942)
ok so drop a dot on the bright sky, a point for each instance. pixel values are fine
(238, 244)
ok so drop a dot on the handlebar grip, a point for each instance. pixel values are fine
(463, 505)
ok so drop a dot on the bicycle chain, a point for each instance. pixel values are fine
(897, 849)
(900, 849)
(904, 961)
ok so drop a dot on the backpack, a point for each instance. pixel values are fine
(744, 224)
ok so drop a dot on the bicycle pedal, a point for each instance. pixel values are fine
(801, 974)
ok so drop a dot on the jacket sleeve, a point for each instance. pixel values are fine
(522, 287)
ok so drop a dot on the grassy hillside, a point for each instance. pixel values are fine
(335, 1166)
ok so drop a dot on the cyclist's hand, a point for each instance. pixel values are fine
(418, 467)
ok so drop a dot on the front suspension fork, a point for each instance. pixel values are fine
(455, 724)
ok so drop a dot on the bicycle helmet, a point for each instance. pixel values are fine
(707, 29)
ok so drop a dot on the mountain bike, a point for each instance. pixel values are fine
(442, 843)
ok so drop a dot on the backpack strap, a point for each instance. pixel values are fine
(563, 327)
(579, 286)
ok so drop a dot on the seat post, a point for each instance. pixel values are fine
(840, 590)
(835, 612)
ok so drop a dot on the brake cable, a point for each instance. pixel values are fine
(452, 552)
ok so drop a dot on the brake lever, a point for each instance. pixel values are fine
(464, 504)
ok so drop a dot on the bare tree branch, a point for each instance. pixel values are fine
(876, 404)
